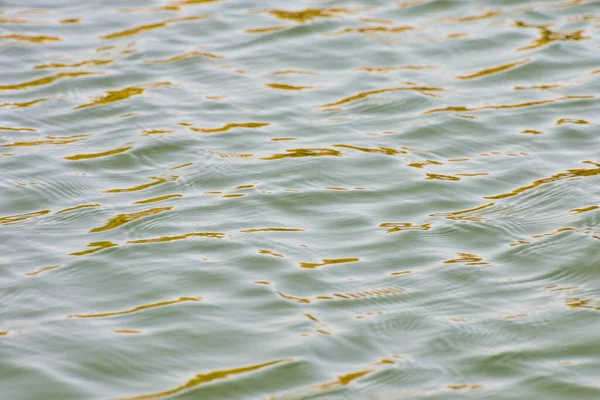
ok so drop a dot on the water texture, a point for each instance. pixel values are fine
(351, 199)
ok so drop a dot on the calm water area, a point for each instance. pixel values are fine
(308, 199)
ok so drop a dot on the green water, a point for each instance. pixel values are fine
(351, 199)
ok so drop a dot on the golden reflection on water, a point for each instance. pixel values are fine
(136, 309)
(43, 269)
(87, 63)
(31, 39)
(148, 27)
(122, 94)
(107, 153)
(329, 261)
(79, 207)
(207, 377)
(404, 226)
(301, 153)
(215, 235)
(359, 96)
(50, 140)
(95, 247)
(484, 15)
(494, 70)
(24, 104)
(185, 56)
(122, 219)
(571, 173)
(508, 106)
(227, 127)
(157, 181)
(309, 14)
(11, 219)
(160, 198)
(8, 128)
(547, 36)
(282, 86)
(47, 80)
(468, 259)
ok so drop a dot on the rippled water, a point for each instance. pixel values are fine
(357, 199)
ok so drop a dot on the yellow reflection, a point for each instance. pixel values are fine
(31, 39)
(385, 70)
(12, 20)
(362, 95)
(344, 380)
(540, 87)
(127, 331)
(423, 163)
(293, 72)
(50, 140)
(309, 14)
(404, 226)
(182, 165)
(78, 207)
(122, 94)
(487, 14)
(468, 259)
(583, 303)
(24, 104)
(506, 106)
(136, 309)
(267, 29)
(272, 253)
(204, 378)
(555, 232)
(122, 219)
(171, 6)
(531, 132)
(461, 387)
(45, 81)
(571, 173)
(97, 155)
(214, 235)
(409, 3)
(584, 209)
(379, 150)
(329, 262)
(96, 246)
(185, 56)
(374, 29)
(74, 65)
(157, 199)
(225, 128)
(282, 86)
(11, 219)
(571, 121)
(43, 269)
(441, 177)
(252, 230)
(494, 70)
(143, 28)
(70, 21)
(148, 132)
(233, 195)
(157, 181)
(8, 128)
(299, 153)
(547, 36)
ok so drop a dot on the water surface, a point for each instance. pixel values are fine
(342, 199)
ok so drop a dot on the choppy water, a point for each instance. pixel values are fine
(350, 199)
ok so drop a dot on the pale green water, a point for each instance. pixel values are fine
(372, 200)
